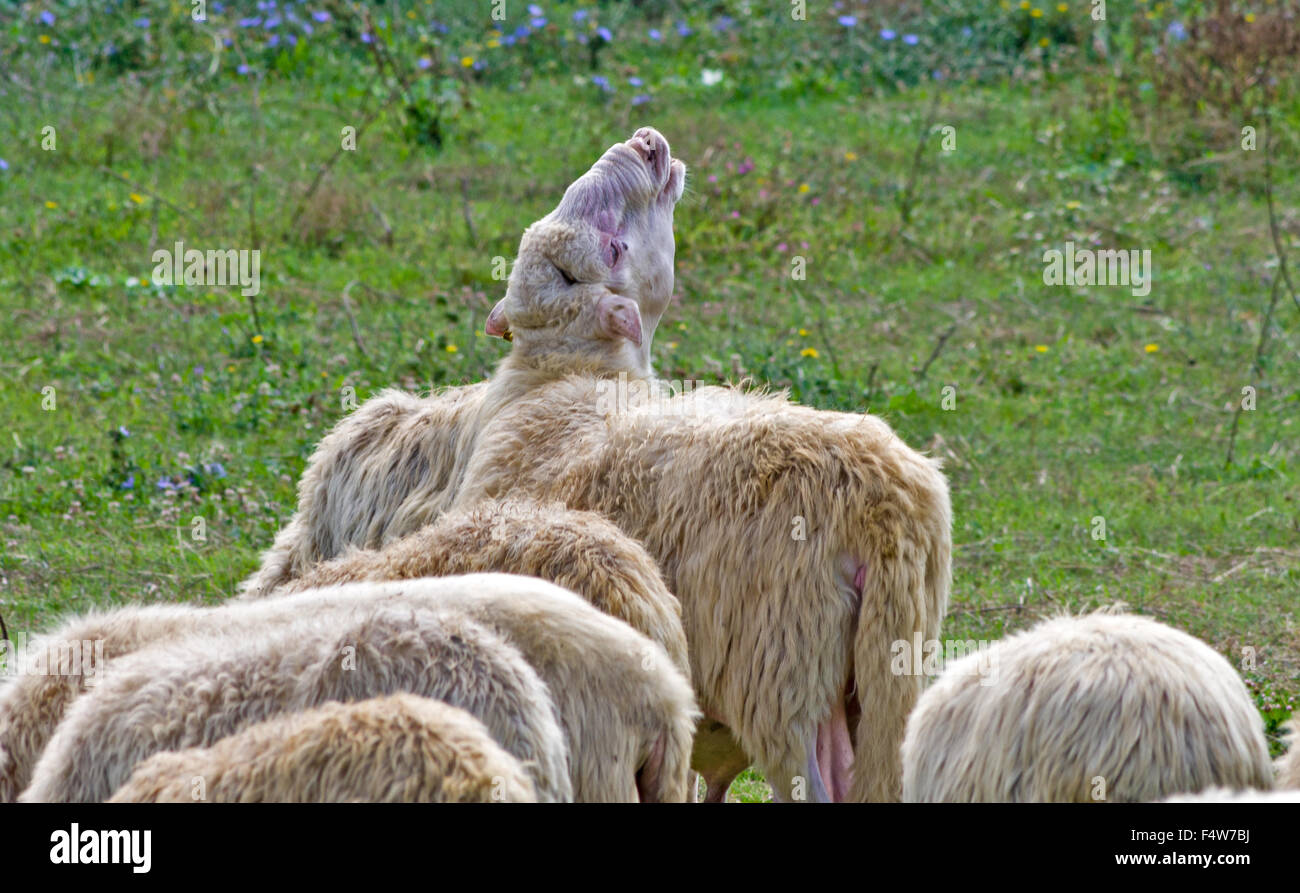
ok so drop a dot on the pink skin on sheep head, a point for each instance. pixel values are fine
(594, 276)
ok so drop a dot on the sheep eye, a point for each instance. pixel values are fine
(615, 248)
(568, 280)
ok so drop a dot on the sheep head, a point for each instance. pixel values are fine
(594, 276)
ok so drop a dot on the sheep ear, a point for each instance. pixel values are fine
(620, 318)
(497, 324)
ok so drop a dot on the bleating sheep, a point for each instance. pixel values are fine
(395, 749)
(626, 713)
(194, 691)
(802, 544)
(1104, 706)
(587, 290)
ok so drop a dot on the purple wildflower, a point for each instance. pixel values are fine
(683, 29)
(579, 15)
(249, 22)
(655, 34)
(640, 99)
(604, 34)
(321, 15)
(47, 17)
(847, 21)
(888, 34)
(911, 39)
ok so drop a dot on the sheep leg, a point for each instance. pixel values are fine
(717, 757)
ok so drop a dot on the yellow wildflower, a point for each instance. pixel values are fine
(809, 352)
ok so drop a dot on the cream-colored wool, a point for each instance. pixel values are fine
(196, 690)
(577, 550)
(1288, 765)
(580, 551)
(762, 515)
(34, 703)
(1105, 706)
(395, 749)
(394, 464)
(627, 714)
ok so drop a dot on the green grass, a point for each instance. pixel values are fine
(1070, 403)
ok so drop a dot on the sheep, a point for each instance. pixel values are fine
(395, 749)
(802, 544)
(625, 712)
(590, 283)
(1288, 765)
(580, 551)
(1105, 706)
(32, 705)
(198, 689)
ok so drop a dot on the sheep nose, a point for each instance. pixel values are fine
(653, 149)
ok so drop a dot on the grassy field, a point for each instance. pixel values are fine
(130, 409)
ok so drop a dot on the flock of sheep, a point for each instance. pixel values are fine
(568, 583)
